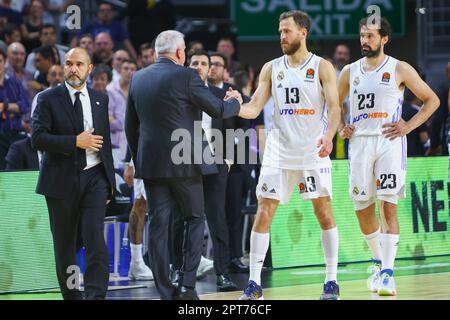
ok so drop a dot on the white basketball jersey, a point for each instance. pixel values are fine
(375, 98)
(299, 116)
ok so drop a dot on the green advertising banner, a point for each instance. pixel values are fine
(331, 19)
(423, 217)
(26, 247)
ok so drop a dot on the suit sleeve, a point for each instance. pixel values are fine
(202, 98)
(42, 137)
(14, 160)
(132, 125)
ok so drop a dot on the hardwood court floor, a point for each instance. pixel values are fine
(427, 279)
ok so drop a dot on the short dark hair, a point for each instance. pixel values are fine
(146, 46)
(131, 61)
(46, 52)
(46, 26)
(9, 29)
(87, 35)
(301, 18)
(219, 54)
(385, 29)
(241, 78)
(102, 68)
(199, 53)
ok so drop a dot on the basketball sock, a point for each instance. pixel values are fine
(330, 245)
(259, 243)
(136, 252)
(389, 245)
(373, 240)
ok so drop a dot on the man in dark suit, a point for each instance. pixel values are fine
(71, 127)
(214, 186)
(162, 98)
(21, 154)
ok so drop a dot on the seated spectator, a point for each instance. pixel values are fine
(55, 77)
(44, 58)
(13, 105)
(106, 23)
(15, 65)
(194, 46)
(11, 33)
(118, 58)
(21, 154)
(87, 42)
(8, 14)
(226, 47)
(47, 37)
(147, 54)
(103, 49)
(418, 139)
(32, 24)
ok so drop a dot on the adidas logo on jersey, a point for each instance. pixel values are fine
(280, 86)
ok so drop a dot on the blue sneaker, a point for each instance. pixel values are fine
(330, 291)
(252, 292)
(387, 285)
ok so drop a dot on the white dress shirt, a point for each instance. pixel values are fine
(92, 157)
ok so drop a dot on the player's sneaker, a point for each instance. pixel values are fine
(204, 267)
(330, 291)
(252, 292)
(374, 279)
(140, 271)
(386, 286)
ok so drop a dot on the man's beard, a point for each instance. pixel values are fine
(75, 82)
(371, 53)
(292, 49)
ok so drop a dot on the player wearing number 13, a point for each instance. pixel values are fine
(377, 149)
(305, 119)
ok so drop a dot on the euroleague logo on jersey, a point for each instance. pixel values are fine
(386, 77)
(310, 73)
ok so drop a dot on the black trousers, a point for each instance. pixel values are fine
(163, 196)
(78, 221)
(235, 219)
(214, 187)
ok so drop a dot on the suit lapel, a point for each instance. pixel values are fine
(67, 105)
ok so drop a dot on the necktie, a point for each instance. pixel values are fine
(79, 112)
(81, 153)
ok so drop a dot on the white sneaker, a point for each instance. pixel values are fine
(386, 286)
(374, 279)
(139, 271)
(205, 266)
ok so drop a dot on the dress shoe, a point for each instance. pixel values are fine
(237, 266)
(185, 293)
(224, 283)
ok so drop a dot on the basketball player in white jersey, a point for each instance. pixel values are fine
(298, 145)
(377, 152)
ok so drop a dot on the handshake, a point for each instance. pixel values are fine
(233, 94)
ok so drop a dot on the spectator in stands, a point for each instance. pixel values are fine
(118, 58)
(226, 47)
(11, 33)
(194, 46)
(120, 88)
(32, 24)
(55, 77)
(17, 5)
(418, 139)
(44, 58)
(15, 66)
(9, 15)
(341, 58)
(13, 104)
(47, 37)
(242, 80)
(147, 54)
(87, 42)
(103, 49)
(21, 154)
(106, 23)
